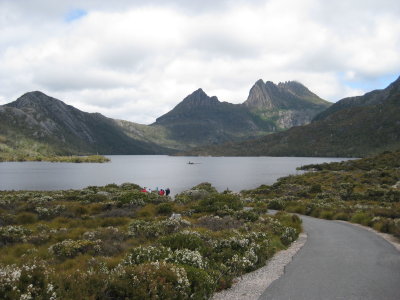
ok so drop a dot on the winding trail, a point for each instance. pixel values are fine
(339, 261)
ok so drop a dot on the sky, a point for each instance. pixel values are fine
(136, 59)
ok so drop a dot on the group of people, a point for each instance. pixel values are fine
(160, 192)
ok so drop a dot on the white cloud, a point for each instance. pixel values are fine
(134, 60)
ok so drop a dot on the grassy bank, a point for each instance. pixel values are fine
(364, 191)
(115, 242)
(69, 159)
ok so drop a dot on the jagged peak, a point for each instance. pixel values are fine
(198, 93)
(34, 98)
(199, 97)
(260, 82)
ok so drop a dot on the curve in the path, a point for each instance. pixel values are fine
(339, 261)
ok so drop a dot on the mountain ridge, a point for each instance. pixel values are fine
(356, 129)
(195, 121)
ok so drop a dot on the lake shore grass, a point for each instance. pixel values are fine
(55, 158)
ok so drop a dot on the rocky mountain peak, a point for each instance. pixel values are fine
(260, 96)
(197, 99)
(284, 95)
(38, 101)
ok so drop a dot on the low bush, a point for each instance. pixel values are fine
(70, 248)
(165, 208)
(183, 240)
(155, 280)
(361, 218)
(26, 218)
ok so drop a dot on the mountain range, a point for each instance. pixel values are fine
(39, 124)
(355, 126)
(284, 119)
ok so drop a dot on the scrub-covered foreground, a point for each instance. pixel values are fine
(115, 242)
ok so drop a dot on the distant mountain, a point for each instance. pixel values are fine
(287, 104)
(201, 120)
(62, 129)
(356, 126)
(36, 123)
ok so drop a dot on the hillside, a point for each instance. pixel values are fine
(372, 98)
(356, 126)
(37, 123)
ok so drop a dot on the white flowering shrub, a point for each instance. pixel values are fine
(242, 263)
(70, 248)
(187, 257)
(13, 234)
(288, 236)
(144, 254)
(29, 281)
(41, 200)
(184, 239)
(155, 280)
(49, 212)
(152, 229)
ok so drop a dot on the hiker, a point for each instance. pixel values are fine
(167, 191)
(148, 190)
(161, 192)
(144, 190)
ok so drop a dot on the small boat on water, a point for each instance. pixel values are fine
(190, 163)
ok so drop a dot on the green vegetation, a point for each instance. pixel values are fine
(364, 191)
(116, 242)
(70, 159)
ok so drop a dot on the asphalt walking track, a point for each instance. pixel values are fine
(339, 261)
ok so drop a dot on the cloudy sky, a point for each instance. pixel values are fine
(136, 59)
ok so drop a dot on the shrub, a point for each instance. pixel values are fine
(277, 204)
(341, 216)
(47, 213)
(26, 218)
(361, 218)
(29, 281)
(288, 236)
(202, 285)
(217, 223)
(156, 280)
(13, 234)
(165, 208)
(326, 214)
(315, 188)
(144, 254)
(219, 202)
(183, 240)
(70, 248)
(187, 257)
(153, 229)
(247, 215)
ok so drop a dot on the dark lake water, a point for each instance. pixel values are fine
(235, 173)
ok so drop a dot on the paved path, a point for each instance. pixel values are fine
(339, 261)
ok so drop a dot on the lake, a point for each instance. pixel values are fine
(234, 173)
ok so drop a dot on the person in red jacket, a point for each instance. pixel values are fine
(161, 192)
